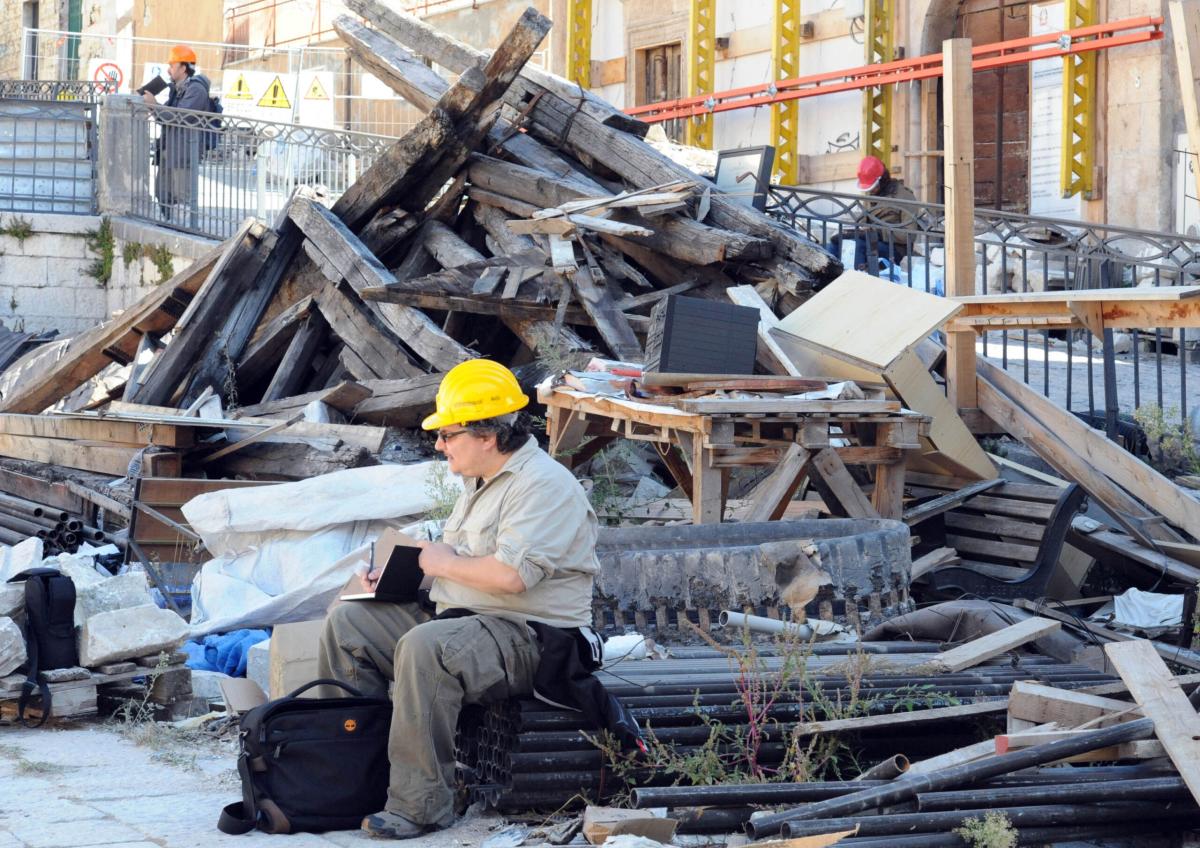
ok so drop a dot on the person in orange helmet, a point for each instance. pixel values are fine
(178, 146)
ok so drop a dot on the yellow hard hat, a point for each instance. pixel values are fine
(475, 390)
(182, 53)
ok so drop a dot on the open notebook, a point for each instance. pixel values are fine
(402, 575)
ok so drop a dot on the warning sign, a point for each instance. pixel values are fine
(316, 91)
(275, 96)
(240, 89)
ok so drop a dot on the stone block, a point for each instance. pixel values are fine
(207, 684)
(24, 271)
(124, 590)
(12, 646)
(81, 569)
(258, 664)
(72, 274)
(12, 599)
(21, 556)
(130, 632)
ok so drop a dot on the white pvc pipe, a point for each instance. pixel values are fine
(761, 624)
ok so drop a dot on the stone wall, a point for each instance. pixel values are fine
(50, 276)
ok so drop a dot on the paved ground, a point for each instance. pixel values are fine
(148, 787)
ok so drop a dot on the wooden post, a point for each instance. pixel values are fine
(1185, 31)
(957, 96)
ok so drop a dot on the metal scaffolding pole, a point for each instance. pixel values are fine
(878, 39)
(702, 61)
(579, 42)
(785, 115)
(1079, 106)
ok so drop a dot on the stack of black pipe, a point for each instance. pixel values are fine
(524, 754)
(60, 531)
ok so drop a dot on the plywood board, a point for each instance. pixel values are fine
(870, 319)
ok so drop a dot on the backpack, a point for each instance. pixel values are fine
(49, 633)
(310, 764)
(212, 136)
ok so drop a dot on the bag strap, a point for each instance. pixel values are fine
(324, 681)
(33, 665)
(241, 817)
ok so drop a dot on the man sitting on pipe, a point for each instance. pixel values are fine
(518, 553)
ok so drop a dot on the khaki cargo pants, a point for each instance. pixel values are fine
(437, 666)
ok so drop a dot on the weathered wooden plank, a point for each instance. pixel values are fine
(344, 397)
(416, 167)
(96, 429)
(363, 332)
(114, 341)
(269, 344)
(88, 456)
(1176, 723)
(212, 371)
(994, 644)
(361, 269)
(769, 499)
(1039, 703)
(1106, 457)
(296, 365)
(228, 281)
(829, 475)
(399, 403)
(678, 237)
(612, 323)
(407, 75)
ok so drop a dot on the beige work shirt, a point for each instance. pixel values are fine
(533, 516)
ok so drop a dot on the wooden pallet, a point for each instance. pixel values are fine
(72, 699)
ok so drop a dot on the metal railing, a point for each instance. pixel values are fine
(58, 90)
(905, 241)
(205, 173)
(47, 156)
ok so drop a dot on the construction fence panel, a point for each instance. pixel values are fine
(905, 241)
(313, 86)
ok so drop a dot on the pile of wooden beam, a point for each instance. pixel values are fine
(516, 198)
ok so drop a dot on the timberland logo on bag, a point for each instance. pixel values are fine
(350, 725)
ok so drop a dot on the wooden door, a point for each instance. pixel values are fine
(1001, 106)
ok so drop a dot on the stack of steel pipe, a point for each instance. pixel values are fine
(523, 753)
(1044, 805)
(22, 519)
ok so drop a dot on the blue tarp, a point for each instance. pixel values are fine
(224, 652)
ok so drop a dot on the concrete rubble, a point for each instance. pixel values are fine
(129, 632)
(12, 646)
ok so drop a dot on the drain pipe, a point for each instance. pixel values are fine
(762, 624)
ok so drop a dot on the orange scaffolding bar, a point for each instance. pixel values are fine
(985, 56)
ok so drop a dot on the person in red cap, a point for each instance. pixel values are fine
(875, 234)
(178, 147)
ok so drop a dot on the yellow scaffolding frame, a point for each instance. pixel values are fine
(579, 42)
(1079, 106)
(701, 68)
(785, 115)
(879, 40)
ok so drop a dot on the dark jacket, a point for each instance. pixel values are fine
(879, 211)
(180, 145)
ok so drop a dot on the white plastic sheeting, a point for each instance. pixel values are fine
(1145, 610)
(277, 548)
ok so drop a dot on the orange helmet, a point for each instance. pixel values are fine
(182, 53)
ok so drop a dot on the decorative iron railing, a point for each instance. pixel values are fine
(205, 173)
(905, 241)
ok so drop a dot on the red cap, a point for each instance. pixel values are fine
(870, 171)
